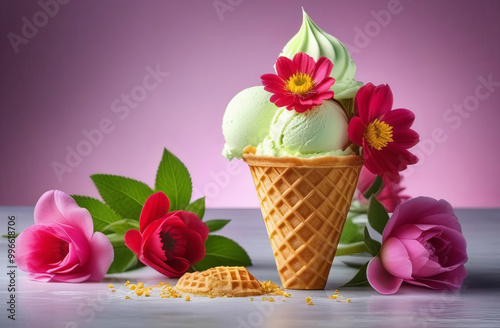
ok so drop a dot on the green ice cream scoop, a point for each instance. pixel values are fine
(247, 120)
(317, 132)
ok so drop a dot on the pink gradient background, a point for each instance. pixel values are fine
(65, 79)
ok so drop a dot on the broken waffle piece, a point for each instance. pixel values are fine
(222, 281)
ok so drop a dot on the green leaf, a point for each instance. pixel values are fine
(359, 278)
(377, 215)
(174, 180)
(222, 251)
(375, 188)
(215, 225)
(102, 214)
(372, 244)
(124, 195)
(197, 207)
(122, 226)
(125, 259)
(352, 232)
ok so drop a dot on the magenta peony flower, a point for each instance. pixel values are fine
(61, 245)
(422, 245)
(300, 83)
(390, 195)
(384, 134)
(168, 242)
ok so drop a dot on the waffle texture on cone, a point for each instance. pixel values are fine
(304, 203)
(219, 282)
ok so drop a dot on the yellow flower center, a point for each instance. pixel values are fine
(299, 83)
(378, 134)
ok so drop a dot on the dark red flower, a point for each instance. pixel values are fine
(300, 83)
(168, 242)
(384, 134)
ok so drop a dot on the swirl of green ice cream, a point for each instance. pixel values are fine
(317, 43)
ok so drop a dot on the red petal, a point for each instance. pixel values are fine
(380, 101)
(324, 85)
(193, 222)
(155, 207)
(400, 118)
(356, 129)
(272, 83)
(304, 63)
(133, 240)
(285, 68)
(322, 69)
(362, 101)
(406, 138)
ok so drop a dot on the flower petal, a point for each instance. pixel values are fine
(304, 63)
(285, 68)
(55, 206)
(155, 207)
(356, 129)
(322, 70)
(395, 258)
(380, 279)
(192, 221)
(451, 280)
(421, 210)
(101, 256)
(133, 240)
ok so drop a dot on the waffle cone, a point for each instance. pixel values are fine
(304, 204)
(219, 282)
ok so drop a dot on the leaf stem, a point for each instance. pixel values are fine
(349, 249)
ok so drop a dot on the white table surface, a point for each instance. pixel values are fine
(93, 304)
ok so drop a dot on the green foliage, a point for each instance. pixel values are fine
(222, 251)
(124, 195)
(216, 225)
(173, 178)
(377, 215)
(359, 278)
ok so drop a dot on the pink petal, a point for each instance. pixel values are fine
(55, 206)
(101, 256)
(380, 279)
(451, 280)
(68, 278)
(422, 265)
(37, 249)
(421, 210)
(395, 258)
(155, 207)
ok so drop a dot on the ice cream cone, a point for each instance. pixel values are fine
(304, 203)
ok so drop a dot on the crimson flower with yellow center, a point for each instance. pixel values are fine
(384, 134)
(301, 83)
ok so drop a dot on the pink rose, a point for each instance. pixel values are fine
(422, 245)
(61, 245)
(389, 196)
(167, 242)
